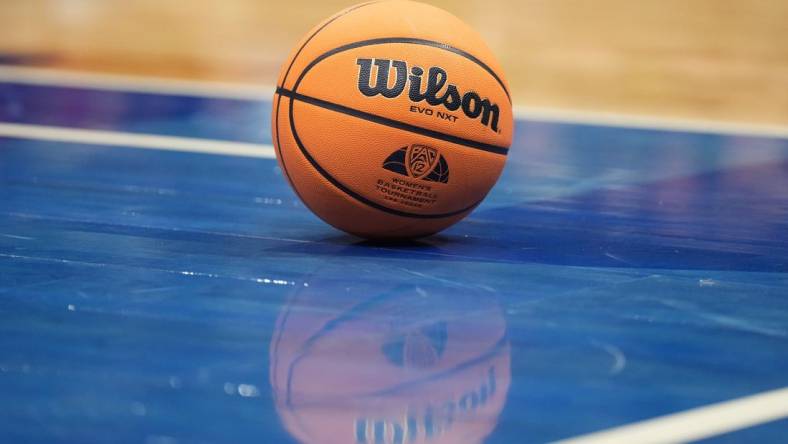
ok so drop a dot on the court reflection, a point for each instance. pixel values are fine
(371, 364)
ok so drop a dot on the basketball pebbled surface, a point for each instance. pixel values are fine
(392, 119)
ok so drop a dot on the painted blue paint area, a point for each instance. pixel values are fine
(197, 117)
(613, 275)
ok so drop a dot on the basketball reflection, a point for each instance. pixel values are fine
(400, 365)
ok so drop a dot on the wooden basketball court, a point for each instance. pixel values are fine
(707, 59)
(625, 281)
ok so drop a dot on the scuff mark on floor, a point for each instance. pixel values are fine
(619, 359)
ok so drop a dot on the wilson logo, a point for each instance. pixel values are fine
(437, 91)
(420, 162)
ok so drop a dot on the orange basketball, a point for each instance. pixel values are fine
(392, 119)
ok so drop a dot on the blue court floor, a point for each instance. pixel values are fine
(614, 275)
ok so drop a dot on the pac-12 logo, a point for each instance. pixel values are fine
(420, 162)
(472, 105)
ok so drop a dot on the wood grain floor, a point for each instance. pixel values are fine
(711, 59)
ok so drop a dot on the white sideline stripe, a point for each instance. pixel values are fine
(649, 122)
(695, 424)
(132, 140)
(142, 84)
(157, 85)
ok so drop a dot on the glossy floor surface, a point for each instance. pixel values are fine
(156, 296)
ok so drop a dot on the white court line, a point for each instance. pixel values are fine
(695, 424)
(133, 140)
(113, 82)
(649, 122)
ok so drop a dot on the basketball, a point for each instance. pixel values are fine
(392, 119)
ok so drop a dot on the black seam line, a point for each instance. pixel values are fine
(407, 40)
(495, 149)
(342, 14)
(355, 195)
(287, 73)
